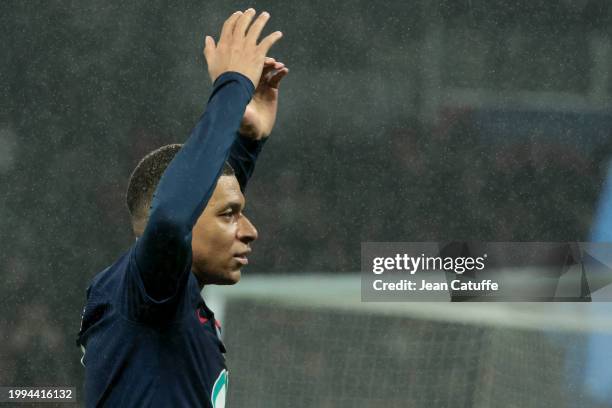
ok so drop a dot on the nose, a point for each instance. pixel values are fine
(246, 230)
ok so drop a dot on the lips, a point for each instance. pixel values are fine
(242, 260)
(242, 257)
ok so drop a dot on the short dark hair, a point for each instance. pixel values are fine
(146, 176)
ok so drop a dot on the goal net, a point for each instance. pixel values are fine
(309, 341)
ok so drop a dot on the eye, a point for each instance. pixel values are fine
(228, 214)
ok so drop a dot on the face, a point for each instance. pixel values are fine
(222, 235)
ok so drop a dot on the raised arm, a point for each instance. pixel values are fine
(257, 122)
(163, 253)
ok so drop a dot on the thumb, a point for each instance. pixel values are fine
(209, 46)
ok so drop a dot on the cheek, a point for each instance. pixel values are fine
(201, 244)
(212, 240)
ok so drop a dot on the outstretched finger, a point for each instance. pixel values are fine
(257, 27)
(228, 26)
(243, 22)
(269, 61)
(270, 40)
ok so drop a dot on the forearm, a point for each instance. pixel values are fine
(243, 156)
(190, 179)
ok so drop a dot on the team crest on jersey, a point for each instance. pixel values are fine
(219, 390)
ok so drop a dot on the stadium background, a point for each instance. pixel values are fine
(408, 121)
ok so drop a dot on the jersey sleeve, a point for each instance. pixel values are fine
(160, 260)
(243, 156)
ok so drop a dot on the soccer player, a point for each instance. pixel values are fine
(149, 340)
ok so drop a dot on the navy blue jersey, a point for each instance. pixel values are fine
(149, 339)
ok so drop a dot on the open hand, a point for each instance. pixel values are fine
(238, 49)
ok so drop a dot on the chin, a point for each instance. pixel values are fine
(231, 278)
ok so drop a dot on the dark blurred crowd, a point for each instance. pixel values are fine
(414, 184)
